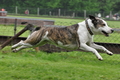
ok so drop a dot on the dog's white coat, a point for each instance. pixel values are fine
(86, 40)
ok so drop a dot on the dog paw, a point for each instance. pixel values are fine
(109, 53)
(14, 50)
(100, 59)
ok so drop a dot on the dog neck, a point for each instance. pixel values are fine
(88, 28)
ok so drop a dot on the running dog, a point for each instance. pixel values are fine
(78, 36)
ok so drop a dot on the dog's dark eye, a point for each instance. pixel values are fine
(103, 24)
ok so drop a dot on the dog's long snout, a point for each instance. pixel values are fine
(112, 30)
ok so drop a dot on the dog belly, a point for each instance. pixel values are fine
(72, 46)
(66, 46)
(69, 46)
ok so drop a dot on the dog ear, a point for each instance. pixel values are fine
(92, 17)
(94, 20)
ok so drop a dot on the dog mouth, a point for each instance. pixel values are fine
(105, 33)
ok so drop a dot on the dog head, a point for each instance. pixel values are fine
(100, 26)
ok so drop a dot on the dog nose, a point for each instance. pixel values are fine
(112, 31)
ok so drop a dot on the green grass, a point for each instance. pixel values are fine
(9, 31)
(30, 65)
(113, 38)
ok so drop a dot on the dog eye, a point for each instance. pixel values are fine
(103, 24)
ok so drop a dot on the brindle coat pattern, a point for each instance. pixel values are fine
(66, 35)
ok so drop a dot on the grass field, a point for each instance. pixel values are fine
(30, 65)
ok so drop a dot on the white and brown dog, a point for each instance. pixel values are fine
(78, 36)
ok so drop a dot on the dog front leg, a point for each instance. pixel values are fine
(99, 47)
(88, 48)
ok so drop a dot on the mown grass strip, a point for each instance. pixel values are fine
(28, 64)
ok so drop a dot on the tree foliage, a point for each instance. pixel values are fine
(116, 7)
(92, 5)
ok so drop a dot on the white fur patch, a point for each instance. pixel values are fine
(68, 46)
(45, 37)
(60, 43)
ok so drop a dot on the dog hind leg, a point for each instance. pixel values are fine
(22, 46)
(17, 45)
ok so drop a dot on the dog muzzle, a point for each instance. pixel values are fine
(105, 33)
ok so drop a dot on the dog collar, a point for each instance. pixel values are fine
(88, 28)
